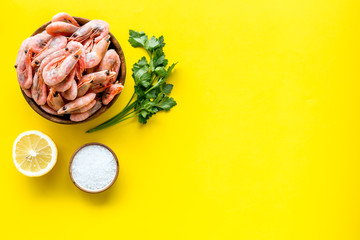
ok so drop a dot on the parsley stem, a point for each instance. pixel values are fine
(158, 83)
(128, 114)
(135, 114)
(152, 80)
(130, 100)
(112, 121)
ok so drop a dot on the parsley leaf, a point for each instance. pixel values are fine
(151, 44)
(166, 103)
(137, 39)
(161, 71)
(167, 89)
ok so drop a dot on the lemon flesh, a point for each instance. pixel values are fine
(34, 153)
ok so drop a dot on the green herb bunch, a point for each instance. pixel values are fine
(151, 92)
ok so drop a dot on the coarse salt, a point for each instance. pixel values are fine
(93, 168)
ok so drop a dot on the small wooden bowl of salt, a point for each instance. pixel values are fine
(94, 167)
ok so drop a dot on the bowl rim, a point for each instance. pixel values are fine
(117, 167)
(121, 78)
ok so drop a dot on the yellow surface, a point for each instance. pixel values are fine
(264, 142)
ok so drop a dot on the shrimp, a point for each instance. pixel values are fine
(101, 87)
(73, 46)
(54, 100)
(29, 46)
(84, 86)
(77, 103)
(111, 61)
(57, 70)
(56, 55)
(49, 110)
(99, 77)
(50, 59)
(67, 83)
(27, 92)
(55, 44)
(64, 17)
(38, 89)
(70, 48)
(20, 59)
(90, 70)
(24, 70)
(104, 83)
(36, 43)
(84, 108)
(95, 29)
(94, 57)
(94, 80)
(111, 92)
(88, 45)
(71, 93)
(61, 29)
(82, 116)
(39, 41)
(80, 66)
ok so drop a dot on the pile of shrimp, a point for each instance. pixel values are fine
(68, 69)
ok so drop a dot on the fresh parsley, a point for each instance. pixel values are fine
(151, 92)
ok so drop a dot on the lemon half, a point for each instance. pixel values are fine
(34, 153)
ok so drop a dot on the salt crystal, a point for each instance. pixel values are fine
(93, 168)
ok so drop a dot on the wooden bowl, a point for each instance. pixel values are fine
(117, 167)
(114, 44)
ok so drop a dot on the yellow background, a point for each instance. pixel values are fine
(264, 142)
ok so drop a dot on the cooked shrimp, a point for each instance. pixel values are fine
(54, 100)
(84, 86)
(104, 83)
(99, 77)
(57, 70)
(71, 93)
(38, 89)
(82, 116)
(95, 29)
(94, 57)
(64, 17)
(80, 66)
(101, 87)
(30, 45)
(36, 43)
(111, 92)
(95, 80)
(77, 103)
(54, 45)
(73, 46)
(61, 29)
(20, 58)
(111, 61)
(49, 110)
(70, 48)
(55, 57)
(27, 92)
(88, 45)
(39, 41)
(66, 83)
(84, 108)
(24, 70)
(90, 70)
